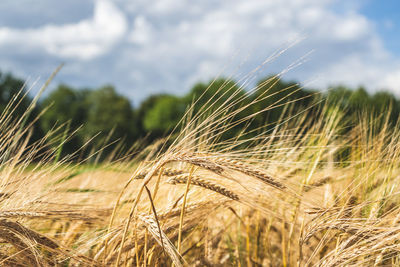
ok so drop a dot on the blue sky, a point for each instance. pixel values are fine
(386, 15)
(145, 47)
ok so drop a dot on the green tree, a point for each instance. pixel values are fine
(359, 100)
(65, 106)
(164, 114)
(108, 111)
(143, 109)
(220, 97)
(385, 103)
(271, 96)
(14, 96)
(12, 87)
(207, 97)
(339, 95)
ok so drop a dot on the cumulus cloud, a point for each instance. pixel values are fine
(206, 35)
(151, 46)
(142, 31)
(391, 80)
(85, 39)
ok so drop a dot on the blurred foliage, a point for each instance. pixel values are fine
(15, 100)
(164, 114)
(106, 111)
(109, 116)
(272, 96)
(207, 97)
(66, 108)
(12, 88)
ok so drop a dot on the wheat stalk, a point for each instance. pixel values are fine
(161, 238)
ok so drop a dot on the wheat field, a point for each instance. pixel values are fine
(271, 197)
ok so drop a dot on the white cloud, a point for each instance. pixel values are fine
(392, 80)
(194, 45)
(85, 39)
(142, 31)
(352, 28)
(149, 46)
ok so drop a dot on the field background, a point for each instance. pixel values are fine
(275, 175)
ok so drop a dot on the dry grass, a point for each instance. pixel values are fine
(276, 198)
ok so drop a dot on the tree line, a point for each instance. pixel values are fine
(99, 116)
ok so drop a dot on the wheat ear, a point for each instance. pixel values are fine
(249, 170)
(197, 180)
